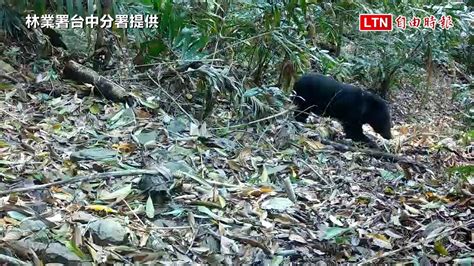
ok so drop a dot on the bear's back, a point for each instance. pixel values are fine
(326, 95)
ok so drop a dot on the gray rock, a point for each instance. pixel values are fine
(108, 231)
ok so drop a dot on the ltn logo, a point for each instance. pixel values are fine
(375, 22)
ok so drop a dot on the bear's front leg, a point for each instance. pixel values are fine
(354, 131)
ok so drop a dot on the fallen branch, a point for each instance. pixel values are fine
(253, 243)
(8, 77)
(373, 153)
(82, 179)
(12, 261)
(243, 240)
(109, 89)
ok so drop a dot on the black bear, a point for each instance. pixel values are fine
(352, 106)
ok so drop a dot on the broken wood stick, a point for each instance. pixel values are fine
(77, 179)
(373, 153)
(107, 88)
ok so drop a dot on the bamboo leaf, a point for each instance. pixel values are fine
(59, 6)
(70, 7)
(90, 7)
(79, 8)
(99, 7)
(21, 5)
(40, 7)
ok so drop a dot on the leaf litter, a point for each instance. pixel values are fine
(221, 197)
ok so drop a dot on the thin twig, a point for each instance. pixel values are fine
(133, 213)
(191, 243)
(12, 116)
(197, 179)
(423, 241)
(316, 172)
(12, 261)
(238, 43)
(221, 184)
(163, 63)
(243, 240)
(83, 178)
(8, 77)
(253, 122)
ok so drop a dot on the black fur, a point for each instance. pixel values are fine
(54, 38)
(352, 106)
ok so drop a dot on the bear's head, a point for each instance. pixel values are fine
(377, 114)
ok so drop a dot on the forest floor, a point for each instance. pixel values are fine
(157, 188)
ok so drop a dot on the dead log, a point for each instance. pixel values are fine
(107, 88)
